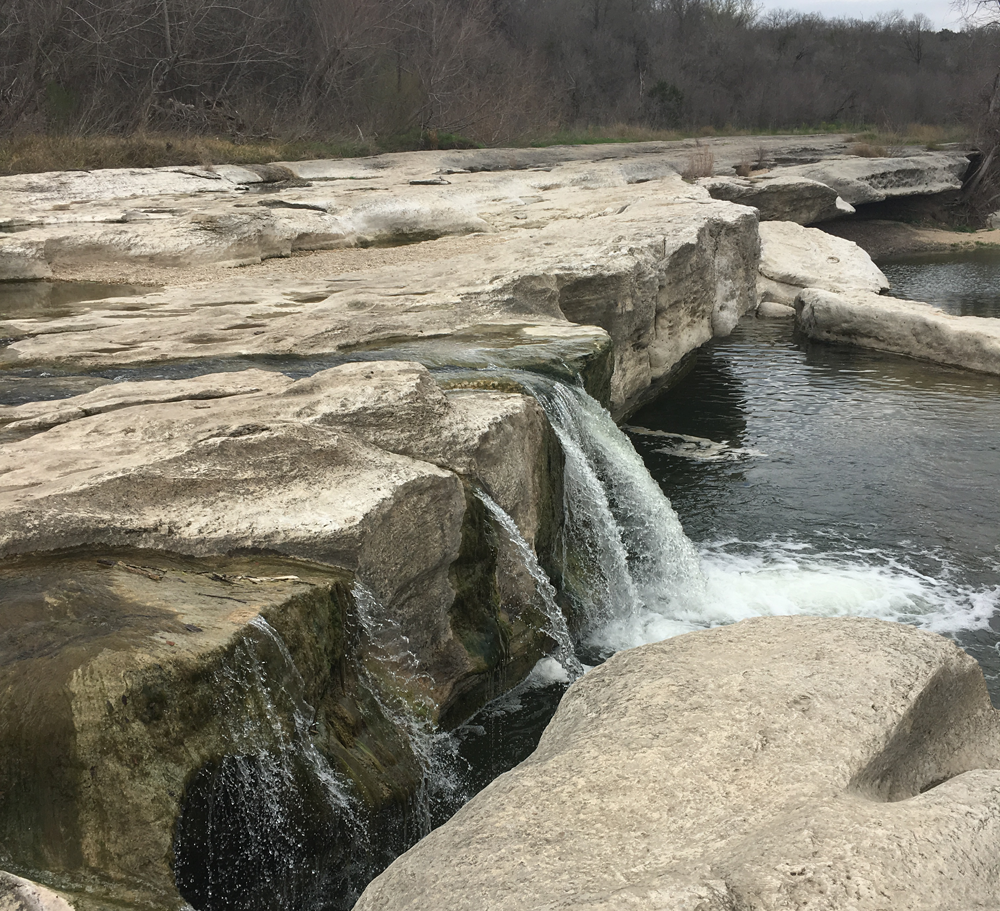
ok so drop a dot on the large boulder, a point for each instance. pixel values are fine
(18, 894)
(781, 197)
(903, 327)
(778, 763)
(793, 257)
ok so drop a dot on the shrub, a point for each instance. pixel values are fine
(701, 163)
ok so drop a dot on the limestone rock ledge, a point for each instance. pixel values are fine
(902, 327)
(779, 763)
(661, 273)
(124, 630)
(793, 257)
(340, 468)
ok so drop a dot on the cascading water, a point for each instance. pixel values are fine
(264, 825)
(394, 681)
(625, 551)
(558, 628)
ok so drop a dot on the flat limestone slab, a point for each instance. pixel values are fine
(863, 180)
(903, 327)
(658, 274)
(778, 763)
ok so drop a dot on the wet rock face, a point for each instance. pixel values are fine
(123, 672)
(138, 686)
(780, 762)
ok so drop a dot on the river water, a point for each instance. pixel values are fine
(814, 479)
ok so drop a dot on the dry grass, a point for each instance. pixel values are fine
(701, 163)
(33, 154)
(892, 143)
(868, 150)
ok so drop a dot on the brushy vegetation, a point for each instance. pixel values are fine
(496, 71)
(38, 153)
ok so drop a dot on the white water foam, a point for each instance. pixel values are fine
(656, 584)
(786, 578)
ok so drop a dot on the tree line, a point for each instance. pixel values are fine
(492, 70)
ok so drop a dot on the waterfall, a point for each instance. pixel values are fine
(395, 687)
(625, 553)
(256, 824)
(558, 629)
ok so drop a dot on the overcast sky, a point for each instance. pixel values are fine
(940, 12)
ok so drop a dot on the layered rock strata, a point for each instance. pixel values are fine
(781, 197)
(118, 504)
(778, 763)
(659, 276)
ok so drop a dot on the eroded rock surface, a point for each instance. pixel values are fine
(778, 763)
(862, 180)
(781, 197)
(793, 257)
(902, 327)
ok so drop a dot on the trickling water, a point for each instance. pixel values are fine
(266, 824)
(395, 683)
(558, 629)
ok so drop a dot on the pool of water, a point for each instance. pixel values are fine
(964, 284)
(56, 299)
(813, 479)
(824, 479)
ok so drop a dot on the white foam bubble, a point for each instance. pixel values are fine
(788, 578)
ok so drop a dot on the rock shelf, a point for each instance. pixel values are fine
(304, 410)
